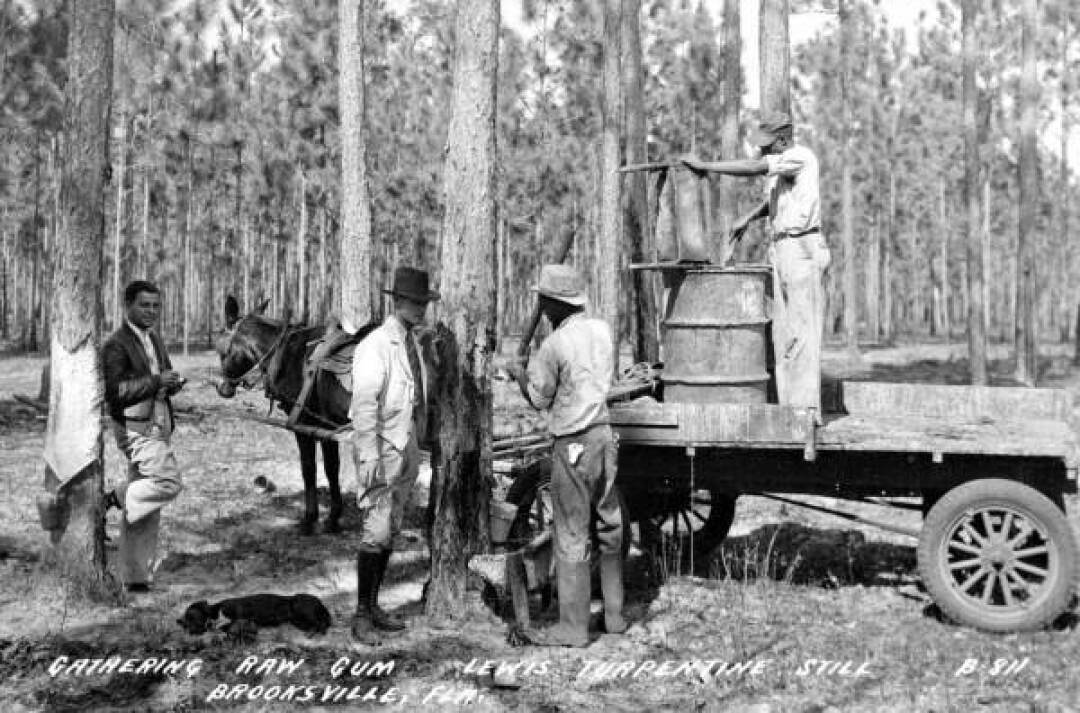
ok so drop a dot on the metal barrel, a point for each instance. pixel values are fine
(715, 336)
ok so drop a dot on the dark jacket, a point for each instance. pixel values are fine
(130, 388)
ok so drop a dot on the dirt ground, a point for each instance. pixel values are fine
(847, 628)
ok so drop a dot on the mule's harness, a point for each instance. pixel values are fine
(271, 359)
(242, 379)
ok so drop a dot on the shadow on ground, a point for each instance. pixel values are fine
(812, 556)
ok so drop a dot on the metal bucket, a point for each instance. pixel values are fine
(682, 227)
(715, 336)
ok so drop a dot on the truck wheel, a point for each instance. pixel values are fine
(998, 555)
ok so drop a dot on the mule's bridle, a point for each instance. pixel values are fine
(242, 379)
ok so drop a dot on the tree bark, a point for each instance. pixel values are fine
(301, 253)
(211, 258)
(727, 191)
(73, 438)
(358, 292)
(608, 257)
(636, 214)
(943, 221)
(1065, 260)
(775, 52)
(187, 291)
(847, 211)
(1029, 197)
(465, 335)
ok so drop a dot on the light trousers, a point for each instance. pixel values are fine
(383, 489)
(799, 266)
(153, 479)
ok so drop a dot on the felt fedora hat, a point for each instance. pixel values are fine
(412, 283)
(563, 283)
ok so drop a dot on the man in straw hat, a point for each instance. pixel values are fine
(798, 252)
(570, 376)
(389, 417)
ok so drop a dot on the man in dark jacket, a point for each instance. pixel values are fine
(139, 379)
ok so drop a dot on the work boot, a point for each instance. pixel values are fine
(611, 584)
(575, 591)
(379, 617)
(367, 567)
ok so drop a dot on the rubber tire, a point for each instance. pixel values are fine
(990, 492)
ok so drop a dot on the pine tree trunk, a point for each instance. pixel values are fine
(1065, 258)
(145, 222)
(187, 292)
(358, 292)
(73, 439)
(1029, 197)
(727, 190)
(873, 281)
(775, 50)
(301, 253)
(608, 258)
(34, 312)
(5, 269)
(917, 318)
(462, 476)
(118, 231)
(847, 211)
(943, 221)
(638, 233)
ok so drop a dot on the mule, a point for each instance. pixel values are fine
(278, 351)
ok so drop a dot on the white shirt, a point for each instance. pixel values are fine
(571, 374)
(147, 345)
(794, 191)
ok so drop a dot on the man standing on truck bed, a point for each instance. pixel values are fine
(798, 252)
(570, 377)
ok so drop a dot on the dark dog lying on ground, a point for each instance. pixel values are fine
(303, 611)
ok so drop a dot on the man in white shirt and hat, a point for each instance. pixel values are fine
(797, 252)
(389, 416)
(570, 377)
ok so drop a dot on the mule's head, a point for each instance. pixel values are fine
(243, 345)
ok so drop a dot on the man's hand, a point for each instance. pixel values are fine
(518, 370)
(171, 381)
(367, 473)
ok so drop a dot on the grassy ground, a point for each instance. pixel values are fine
(820, 616)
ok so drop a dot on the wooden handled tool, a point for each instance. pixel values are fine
(566, 242)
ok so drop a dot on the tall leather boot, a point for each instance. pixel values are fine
(367, 567)
(611, 584)
(379, 617)
(575, 592)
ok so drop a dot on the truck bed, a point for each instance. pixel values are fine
(879, 417)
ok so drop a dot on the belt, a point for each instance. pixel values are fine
(800, 234)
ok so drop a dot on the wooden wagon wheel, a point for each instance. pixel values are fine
(676, 518)
(998, 555)
(531, 492)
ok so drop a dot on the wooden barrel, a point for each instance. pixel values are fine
(715, 336)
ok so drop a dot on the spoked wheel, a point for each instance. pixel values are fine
(531, 492)
(998, 555)
(677, 519)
